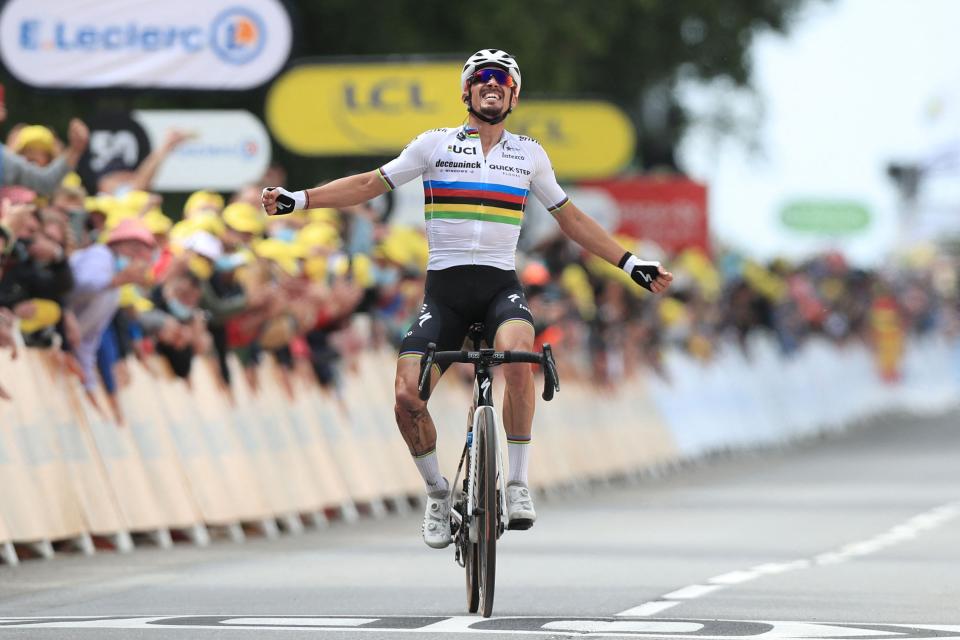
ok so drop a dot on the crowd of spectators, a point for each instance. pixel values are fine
(115, 274)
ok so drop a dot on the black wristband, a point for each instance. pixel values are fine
(624, 259)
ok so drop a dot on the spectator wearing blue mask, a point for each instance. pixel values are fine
(98, 272)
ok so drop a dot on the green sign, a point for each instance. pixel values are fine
(825, 217)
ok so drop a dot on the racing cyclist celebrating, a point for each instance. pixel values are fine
(476, 181)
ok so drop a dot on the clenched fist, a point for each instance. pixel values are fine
(278, 201)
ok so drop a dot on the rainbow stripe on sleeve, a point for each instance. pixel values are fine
(474, 201)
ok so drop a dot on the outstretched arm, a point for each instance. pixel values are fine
(344, 192)
(585, 231)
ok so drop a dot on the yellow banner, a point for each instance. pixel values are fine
(376, 109)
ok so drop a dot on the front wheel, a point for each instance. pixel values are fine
(471, 565)
(486, 509)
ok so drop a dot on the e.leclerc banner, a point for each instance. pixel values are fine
(325, 109)
(174, 44)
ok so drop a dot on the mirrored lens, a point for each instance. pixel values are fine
(502, 77)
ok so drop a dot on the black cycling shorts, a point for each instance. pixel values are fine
(456, 298)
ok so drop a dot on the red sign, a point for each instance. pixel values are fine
(669, 211)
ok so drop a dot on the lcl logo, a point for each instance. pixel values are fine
(391, 95)
(550, 129)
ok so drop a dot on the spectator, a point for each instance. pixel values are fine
(98, 271)
(18, 170)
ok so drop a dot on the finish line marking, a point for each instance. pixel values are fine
(536, 626)
(902, 532)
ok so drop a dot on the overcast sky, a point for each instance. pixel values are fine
(857, 83)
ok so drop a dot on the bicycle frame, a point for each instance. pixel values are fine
(482, 529)
(483, 402)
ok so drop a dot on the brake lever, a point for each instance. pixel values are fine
(551, 378)
(426, 364)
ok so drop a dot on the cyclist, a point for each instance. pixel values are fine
(476, 180)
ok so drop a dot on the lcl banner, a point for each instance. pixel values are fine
(181, 44)
(324, 109)
(669, 211)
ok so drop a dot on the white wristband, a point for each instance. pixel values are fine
(633, 262)
(299, 198)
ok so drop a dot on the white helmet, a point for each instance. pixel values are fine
(490, 58)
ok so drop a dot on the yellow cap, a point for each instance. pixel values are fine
(105, 204)
(200, 267)
(330, 216)
(46, 313)
(672, 311)
(318, 235)
(245, 218)
(362, 270)
(116, 215)
(406, 247)
(72, 181)
(207, 221)
(130, 297)
(201, 200)
(283, 254)
(156, 222)
(135, 201)
(315, 268)
(35, 135)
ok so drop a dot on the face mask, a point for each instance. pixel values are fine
(285, 234)
(228, 262)
(387, 277)
(179, 310)
(121, 262)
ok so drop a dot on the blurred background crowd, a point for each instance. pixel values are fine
(118, 274)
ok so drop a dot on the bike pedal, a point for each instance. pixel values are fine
(520, 524)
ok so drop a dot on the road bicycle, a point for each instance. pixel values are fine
(480, 503)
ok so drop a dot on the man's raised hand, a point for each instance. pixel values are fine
(649, 274)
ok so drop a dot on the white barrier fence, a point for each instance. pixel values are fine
(197, 455)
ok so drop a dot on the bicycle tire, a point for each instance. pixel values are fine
(472, 572)
(487, 500)
(470, 559)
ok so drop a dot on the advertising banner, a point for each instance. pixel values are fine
(669, 211)
(117, 143)
(182, 44)
(361, 109)
(824, 217)
(231, 148)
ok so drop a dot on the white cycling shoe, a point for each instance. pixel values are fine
(520, 511)
(436, 522)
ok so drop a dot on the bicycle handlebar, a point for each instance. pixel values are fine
(490, 357)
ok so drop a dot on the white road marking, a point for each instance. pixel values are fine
(620, 626)
(299, 622)
(693, 591)
(894, 535)
(456, 624)
(649, 608)
(512, 626)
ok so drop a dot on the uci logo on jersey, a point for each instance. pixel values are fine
(469, 151)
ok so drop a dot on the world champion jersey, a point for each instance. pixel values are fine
(474, 205)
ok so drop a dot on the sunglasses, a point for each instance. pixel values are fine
(483, 76)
